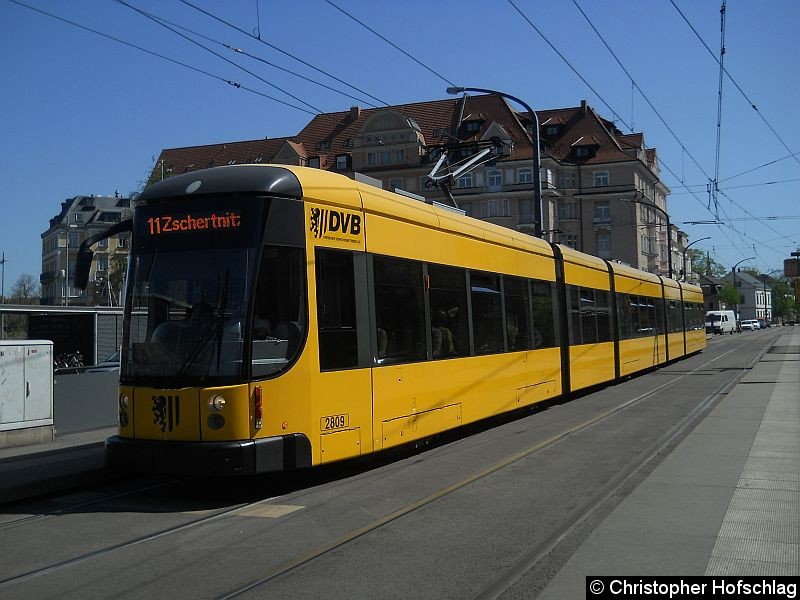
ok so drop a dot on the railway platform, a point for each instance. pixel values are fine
(726, 499)
(66, 462)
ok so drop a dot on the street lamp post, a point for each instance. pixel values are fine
(3, 296)
(736, 306)
(537, 180)
(683, 264)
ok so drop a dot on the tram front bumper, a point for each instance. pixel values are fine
(239, 457)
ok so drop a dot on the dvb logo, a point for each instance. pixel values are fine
(166, 412)
(324, 221)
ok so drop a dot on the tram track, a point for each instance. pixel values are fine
(535, 554)
(494, 588)
(33, 518)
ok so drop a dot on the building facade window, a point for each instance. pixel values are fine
(494, 180)
(526, 210)
(525, 176)
(570, 239)
(386, 157)
(600, 179)
(566, 180)
(604, 244)
(465, 181)
(396, 183)
(372, 159)
(494, 208)
(313, 162)
(341, 162)
(602, 211)
(567, 210)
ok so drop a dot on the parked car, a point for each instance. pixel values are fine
(750, 325)
(110, 363)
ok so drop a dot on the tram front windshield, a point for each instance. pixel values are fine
(192, 270)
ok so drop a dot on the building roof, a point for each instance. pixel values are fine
(745, 279)
(92, 210)
(174, 161)
(436, 123)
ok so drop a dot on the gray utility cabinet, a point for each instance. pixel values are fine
(26, 385)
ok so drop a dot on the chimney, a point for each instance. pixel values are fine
(584, 109)
(355, 112)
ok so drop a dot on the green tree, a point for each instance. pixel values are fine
(783, 302)
(703, 263)
(729, 295)
(753, 272)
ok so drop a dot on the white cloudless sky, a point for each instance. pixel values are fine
(82, 114)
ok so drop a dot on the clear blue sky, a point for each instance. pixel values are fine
(82, 114)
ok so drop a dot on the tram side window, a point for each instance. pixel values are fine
(574, 308)
(675, 316)
(585, 315)
(399, 311)
(544, 314)
(518, 308)
(487, 315)
(279, 312)
(645, 324)
(603, 303)
(625, 316)
(695, 319)
(336, 310)
(449, 319)
(588, 313)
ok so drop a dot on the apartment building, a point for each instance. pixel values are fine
(79, 218)
(601, 189)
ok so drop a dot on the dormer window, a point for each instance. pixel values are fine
(583, 152)
(472, 126)
(324, 145)
(552, 130)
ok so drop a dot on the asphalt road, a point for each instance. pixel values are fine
(494, 513)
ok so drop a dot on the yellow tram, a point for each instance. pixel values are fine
(282, 317)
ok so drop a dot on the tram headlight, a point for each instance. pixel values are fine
(216, 402)
(123, 401)
(123, 418)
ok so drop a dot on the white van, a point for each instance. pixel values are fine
(720, 321)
